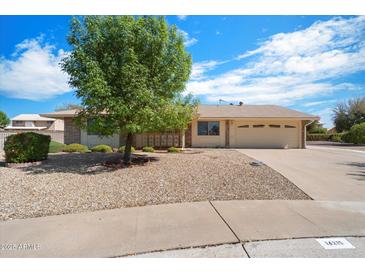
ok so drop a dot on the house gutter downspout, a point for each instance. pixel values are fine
(305, 133)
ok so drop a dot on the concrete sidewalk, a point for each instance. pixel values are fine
(127, 231)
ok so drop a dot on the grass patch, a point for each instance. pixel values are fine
(55, 147)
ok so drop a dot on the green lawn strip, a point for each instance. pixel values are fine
(55, 147)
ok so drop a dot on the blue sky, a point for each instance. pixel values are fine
(308, 63)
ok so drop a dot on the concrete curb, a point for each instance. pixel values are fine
(128, 231)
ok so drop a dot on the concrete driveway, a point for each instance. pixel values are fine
(322, 172)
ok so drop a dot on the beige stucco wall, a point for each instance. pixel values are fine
(58, 124)
(208, 141)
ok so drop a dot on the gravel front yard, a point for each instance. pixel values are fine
(69, 183)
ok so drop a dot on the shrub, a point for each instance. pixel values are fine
(122, 149)
(336, 137)
(318, 137)
(55, 147)
(76, 148)
(355, 135)
(102, 148)
(26, 147)
(174, 149)
(148, 149)
(318, 130)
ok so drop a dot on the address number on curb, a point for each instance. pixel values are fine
(335, 243)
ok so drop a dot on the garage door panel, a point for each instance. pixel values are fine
(266, 137)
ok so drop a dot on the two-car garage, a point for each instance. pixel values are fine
(265, 134)
(249, 126)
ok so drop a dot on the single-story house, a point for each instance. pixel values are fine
(26, 122)
(245, 126)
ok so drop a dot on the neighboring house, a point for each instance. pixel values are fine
(246, 126)
(35, 122)
(332, 130)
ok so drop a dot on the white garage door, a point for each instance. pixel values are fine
(266, 135)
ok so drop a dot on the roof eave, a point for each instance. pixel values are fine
(255, 117)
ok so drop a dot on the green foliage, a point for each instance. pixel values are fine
(336, 137)
(4, 120)
(318, 130)
(26, 147)
(316, 127)
(55, 147)
(174, 149)
(122, 149)
(349, 113)
(148, 149)
(102, 148)
(76, 148)
(318, 137)
(132, 70)
(355, 135)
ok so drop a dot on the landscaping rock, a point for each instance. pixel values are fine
(70, 183)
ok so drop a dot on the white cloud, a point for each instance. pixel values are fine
(199, 69)
(291, 67)
(191, 41)
(182, 17)
(326, 117)
(317, 103)
(33, 72)
(188, 41)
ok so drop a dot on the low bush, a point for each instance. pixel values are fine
(318, 130)
(336, 137)
(318, 137)
(102, 148)
(355, 135)
(148, 149)
(122, 149)
(55, 147)
(26, 147)
(174, 149)
(76, 148)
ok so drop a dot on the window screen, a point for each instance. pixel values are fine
(208, 128)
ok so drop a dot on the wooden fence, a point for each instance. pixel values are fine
(57, 136)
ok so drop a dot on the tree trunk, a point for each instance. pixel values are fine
(182, 134)
(127, 151)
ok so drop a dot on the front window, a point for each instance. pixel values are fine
(208, 128)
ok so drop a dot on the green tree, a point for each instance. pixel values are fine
(316, 127)
(129, 73)
(356, 134)
(4, 120)
(347, 114)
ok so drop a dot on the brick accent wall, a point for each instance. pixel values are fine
(72, 132)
